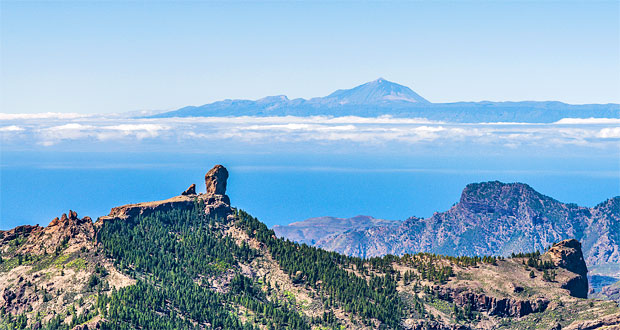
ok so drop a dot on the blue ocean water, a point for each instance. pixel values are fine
(35, 187)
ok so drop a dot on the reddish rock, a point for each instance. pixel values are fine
(494, 306)
(215, 180)
(190, 191)
(567, 254)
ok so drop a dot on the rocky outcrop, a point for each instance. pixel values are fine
(190, 191)
(434, 325)
(215, 180)
(567, 254)
(67, 231)
(21, 231)
(216, 202)
(481, 302)
(608, 322)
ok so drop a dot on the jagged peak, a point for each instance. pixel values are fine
(70, 218)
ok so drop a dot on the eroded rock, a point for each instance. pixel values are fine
(215, 180)
(567, 254)
(190, 191)
(494, 306)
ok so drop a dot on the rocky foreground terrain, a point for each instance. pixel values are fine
(490, 218)
(194, 262)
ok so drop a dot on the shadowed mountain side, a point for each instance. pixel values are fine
(311, 230)
(493, 218)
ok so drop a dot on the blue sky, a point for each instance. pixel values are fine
(97, 57)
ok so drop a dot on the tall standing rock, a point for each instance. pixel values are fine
(215, 180)
(567, 254)
(216, 201)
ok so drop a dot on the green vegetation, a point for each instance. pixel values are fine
(189, 275)
(375, 297)
(169, 252)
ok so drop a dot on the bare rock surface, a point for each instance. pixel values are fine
(567, 254)
(215, 200)
(610, 322)
(215, 180)
(190, 191)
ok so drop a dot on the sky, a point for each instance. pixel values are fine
(110, 57)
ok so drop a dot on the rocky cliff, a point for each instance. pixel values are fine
(567, 254)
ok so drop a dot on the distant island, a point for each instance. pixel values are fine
(382, 97)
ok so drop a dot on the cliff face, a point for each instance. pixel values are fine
(567, 254)
(493, 218)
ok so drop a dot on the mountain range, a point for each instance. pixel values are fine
(194, 262)
(490, 218)
(382, 97)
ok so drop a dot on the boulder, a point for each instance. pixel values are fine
(190, 191)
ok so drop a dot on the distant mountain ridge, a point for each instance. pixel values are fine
(311, 230)
(382, 97)
(493, 218)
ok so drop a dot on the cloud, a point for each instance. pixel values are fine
(11, 128)
(43, 115)
(588, 121)
(609, 133)
(271, 132)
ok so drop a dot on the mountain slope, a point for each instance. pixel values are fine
(492, 218)
(194, 262)
(311, 230)
(379, 91)
(382, 97)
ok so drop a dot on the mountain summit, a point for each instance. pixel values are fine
(382, 97)
(375, 92)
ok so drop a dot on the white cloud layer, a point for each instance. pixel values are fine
(51, 129)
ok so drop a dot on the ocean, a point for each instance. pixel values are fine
(37, 186)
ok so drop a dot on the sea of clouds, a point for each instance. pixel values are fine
(115, 132)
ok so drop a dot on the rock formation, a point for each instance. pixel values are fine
(68, 230)
(190, 191)
(567, 254)
(503, 307)
(215, 200)
(609, 322)
(215, 180)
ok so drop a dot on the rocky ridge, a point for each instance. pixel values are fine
(217, 203)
